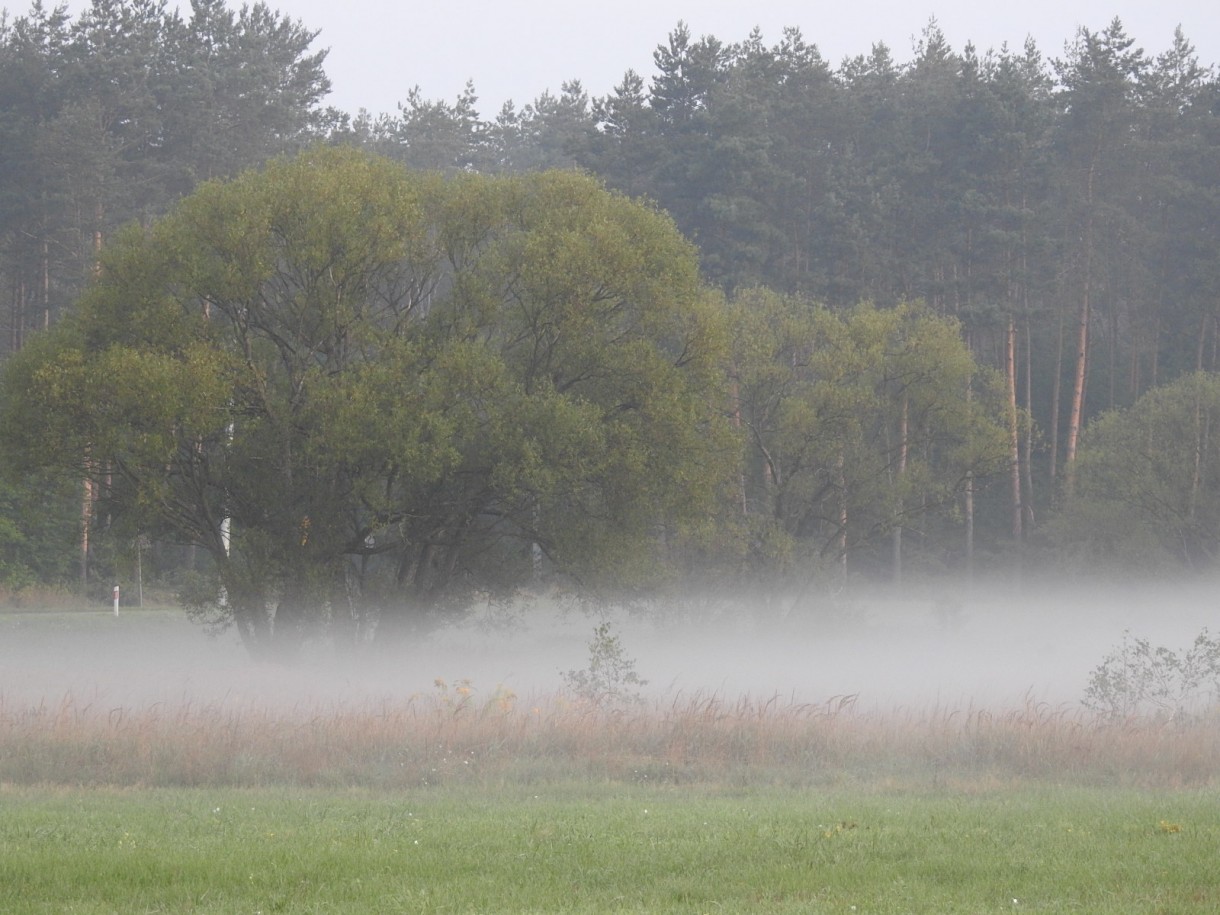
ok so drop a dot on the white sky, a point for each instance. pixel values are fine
(516, 49)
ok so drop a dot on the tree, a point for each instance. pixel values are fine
(859, 424)
(245, 86)
(38, 514)
(624, 148)
(1178, 144)
(436, 135)
(1099, 79)
(394, 390)
(687, 75)
(1147, 491)
(111, 117)
(554, 132)
(33, 51)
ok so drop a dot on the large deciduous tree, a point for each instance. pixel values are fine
(370, 393)
(1147, 493)
(859, 425)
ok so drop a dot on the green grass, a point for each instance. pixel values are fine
(608, 848)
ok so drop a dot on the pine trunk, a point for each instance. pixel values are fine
(1014, 428)
(1056, 397)
(903, 445)
(1076, 412)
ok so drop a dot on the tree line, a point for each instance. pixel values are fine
(110, 117)
(1066, 210)
(372, 395)
(932, 276)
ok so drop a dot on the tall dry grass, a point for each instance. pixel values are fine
(32, 598)
(456, 735)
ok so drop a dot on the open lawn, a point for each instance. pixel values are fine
(609, 847)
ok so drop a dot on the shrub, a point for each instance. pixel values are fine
(1138, 679)
(610, 679)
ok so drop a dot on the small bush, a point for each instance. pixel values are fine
(610, 679)
(1139, 679)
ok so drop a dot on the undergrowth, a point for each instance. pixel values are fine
(610, 679)
(1137, 678)
(457, 735)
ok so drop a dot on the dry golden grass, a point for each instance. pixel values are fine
(456, 735)
(34, 598)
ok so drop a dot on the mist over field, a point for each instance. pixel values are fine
(977, 647)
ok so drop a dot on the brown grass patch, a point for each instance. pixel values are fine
(456, 735)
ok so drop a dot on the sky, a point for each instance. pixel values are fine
(516, 49)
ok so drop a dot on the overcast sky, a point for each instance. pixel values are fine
(516, 49)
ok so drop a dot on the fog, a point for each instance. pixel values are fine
(937, 646)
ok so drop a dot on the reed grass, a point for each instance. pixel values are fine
(458, 736)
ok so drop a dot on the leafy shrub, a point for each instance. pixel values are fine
(1138, 679)
(610, 679)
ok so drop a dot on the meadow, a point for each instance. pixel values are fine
(596, 846)
(470, 798)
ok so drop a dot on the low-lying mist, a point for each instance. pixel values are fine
(981, 646)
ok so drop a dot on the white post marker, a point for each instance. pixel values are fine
(116, 600)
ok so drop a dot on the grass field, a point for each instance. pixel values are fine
(470, 799)
(604, 847)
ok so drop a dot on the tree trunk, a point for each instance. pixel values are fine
(1212, 335)
(735, 407)
(903, 445)
(87, 500)
(1202, 434)
(17, 317)
(1014, 430)
(841, 474)
(1112, 355)
(1199, 346)
(968, 510)
(1027, 467)
(1056, 397)
(1076, 412)
(86, 523)
(1155, 369)
(46, 284)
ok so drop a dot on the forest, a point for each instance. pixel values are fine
(753, 320)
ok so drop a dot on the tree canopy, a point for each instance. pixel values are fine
(858, 424)
(1148, 482)
(367, 391)
(113, 115)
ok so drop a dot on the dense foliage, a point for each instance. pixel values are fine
(1148, 487)
(111, 116)
(1065, 210)
(368, 392)
(1037, 239)
(859, 424)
